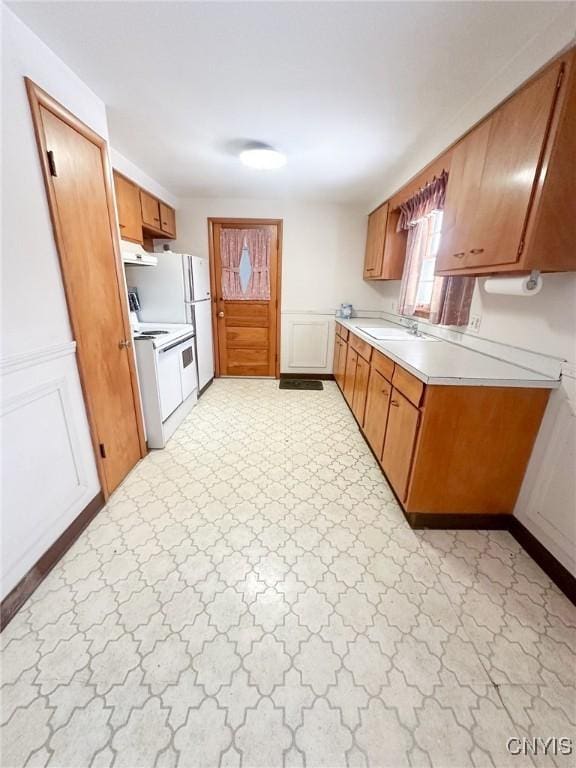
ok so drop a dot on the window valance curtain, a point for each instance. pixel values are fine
(451, 296)
(429, 198)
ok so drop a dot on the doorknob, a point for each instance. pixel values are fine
(220, 314)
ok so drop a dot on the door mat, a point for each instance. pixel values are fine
(300, 384)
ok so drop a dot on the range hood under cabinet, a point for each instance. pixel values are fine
(140, 257)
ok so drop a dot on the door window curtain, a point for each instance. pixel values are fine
(451, 296)
(245, 258)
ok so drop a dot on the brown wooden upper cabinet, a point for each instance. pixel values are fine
(167, 220)
(140, 214)
(512, 185)
(385, 248)
(375, 239)
(150, 210)
(128, 203)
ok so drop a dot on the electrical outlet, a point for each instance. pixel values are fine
(474, 323)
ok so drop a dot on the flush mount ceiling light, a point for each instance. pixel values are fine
(262, 157)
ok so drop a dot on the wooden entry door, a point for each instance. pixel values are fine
(245, 274)
(76, 172)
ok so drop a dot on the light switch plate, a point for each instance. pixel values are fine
(474, 323)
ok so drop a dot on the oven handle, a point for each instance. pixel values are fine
(176, 344)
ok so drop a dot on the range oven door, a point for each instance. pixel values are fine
(176, 375)
(188, 368)
(169, 380)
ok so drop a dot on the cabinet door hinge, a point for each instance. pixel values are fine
(51, 163)
(102, 450)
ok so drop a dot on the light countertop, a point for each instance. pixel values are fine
(441, 362)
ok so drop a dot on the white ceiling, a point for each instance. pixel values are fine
(345, 89)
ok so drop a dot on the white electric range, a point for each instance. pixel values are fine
(167, 377)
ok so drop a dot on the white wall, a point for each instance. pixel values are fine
(48, 468)
(322, 256)
(558, 35)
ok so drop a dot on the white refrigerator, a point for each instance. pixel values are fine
(177, 290)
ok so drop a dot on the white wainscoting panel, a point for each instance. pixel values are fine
(307, 343)
(48, 468)
(547, 498)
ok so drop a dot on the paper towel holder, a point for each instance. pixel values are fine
(524, 285)
(533, 280)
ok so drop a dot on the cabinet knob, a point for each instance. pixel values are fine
(459, 255)
(220, 314)
(395, 403)
(477, 250)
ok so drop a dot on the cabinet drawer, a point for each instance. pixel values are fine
(362, 347)
(341, 331)
(382, 364)
(411, 387)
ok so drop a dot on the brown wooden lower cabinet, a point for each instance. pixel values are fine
(339, 365)
(360, 389)
(350, 375)
(376, 413)
(473, 447)
(342, 363)
(336, 358)
(401, 430)
(454, 450)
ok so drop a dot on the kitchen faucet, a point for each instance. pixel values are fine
(413, 328)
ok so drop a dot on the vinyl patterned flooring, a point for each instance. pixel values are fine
(252, 596)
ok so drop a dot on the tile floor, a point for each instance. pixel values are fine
(252, 596)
